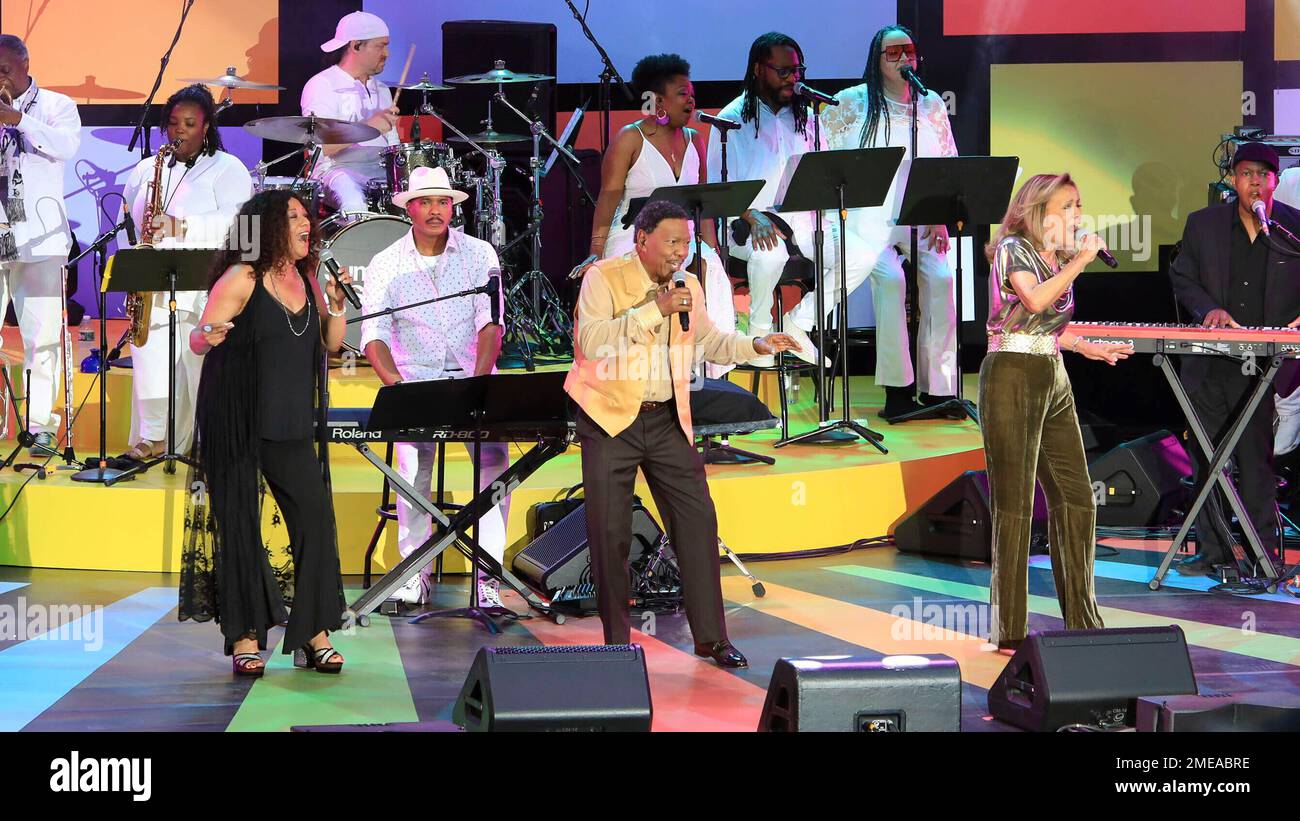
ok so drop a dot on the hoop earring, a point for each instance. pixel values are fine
(662, 119)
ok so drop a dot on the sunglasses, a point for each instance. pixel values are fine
(782, 73)
(895, 53)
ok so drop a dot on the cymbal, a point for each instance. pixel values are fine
(493, 138)
(311, 130)
(423, 85)
(231, 80)
(499, 74)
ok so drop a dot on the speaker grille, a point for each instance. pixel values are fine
(563, 648)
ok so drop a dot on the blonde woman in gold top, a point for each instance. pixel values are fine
(1027, 411)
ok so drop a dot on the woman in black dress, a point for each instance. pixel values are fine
(263, 333)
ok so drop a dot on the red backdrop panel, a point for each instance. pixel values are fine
(994, 17)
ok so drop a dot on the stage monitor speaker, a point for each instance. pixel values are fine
(1252, 713)
(556, 689)
(559, 556)
(844, 694)
(1090, 677)
(956, 523)
(1142, 482)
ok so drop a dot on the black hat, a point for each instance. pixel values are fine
(1256, 152)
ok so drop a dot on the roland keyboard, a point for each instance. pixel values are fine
(350, 426)
(1239, 343)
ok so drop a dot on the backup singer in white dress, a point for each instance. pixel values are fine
(41, 131)
(886, 99)
(201, 193)
(655, 152)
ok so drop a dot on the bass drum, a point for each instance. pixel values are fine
(355, 241)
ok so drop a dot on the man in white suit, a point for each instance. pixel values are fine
(40, 130)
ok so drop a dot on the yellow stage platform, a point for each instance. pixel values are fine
(814, 496)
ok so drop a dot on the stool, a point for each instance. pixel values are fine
(387, 512)
(722, 408)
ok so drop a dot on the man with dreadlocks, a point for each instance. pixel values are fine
(774, 128)
(873, 114)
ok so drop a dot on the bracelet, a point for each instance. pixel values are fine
(330, 310)
(1075, 347)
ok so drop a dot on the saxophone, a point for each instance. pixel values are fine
(139, 304)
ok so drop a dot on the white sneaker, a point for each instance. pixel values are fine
(489, 593)
(415, 591)
(807, 350)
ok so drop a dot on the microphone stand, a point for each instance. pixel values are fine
(141, 127)
(607, 76)
(482, 289)
(103, 474)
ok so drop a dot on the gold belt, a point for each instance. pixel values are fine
(1038, 344)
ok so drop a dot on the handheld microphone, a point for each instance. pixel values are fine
(327, 257)
(908, 74)
(809, 93)
(129, 224)
(716, 121)
(1261, 213)
(1104, 255)
(679, 281)
(493, 290)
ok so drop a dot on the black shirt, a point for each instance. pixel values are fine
(286, 354)
(1247, 271)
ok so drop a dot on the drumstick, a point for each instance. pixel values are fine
(410, 55)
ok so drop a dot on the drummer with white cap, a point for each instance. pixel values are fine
(452, 339)
(348, 91)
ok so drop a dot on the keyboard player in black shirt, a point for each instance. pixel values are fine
(1230, 274)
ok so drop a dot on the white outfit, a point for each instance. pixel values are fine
(758, 150)
(50, 134)
(335, 93)
(937, 343)
(651, 171)
(207, 195)
(438, 341)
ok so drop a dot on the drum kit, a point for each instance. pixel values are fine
(536, 320)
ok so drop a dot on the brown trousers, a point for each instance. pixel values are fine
(674, 470)
(1031, 432)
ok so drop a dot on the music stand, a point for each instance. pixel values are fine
(170, 270)
(836, 180)
(709, 201)
(956, 192)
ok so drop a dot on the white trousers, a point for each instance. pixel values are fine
(937, 329)
(149, 369)
(38, 301)
(345, 189)
(417, 462)
(765, 268)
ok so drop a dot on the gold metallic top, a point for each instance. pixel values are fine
(1006, 313)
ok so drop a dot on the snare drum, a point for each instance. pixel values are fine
(400, 159)
(307, 190)
(355, 240)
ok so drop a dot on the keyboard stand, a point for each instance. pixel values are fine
(451, 531)
(1218, 473)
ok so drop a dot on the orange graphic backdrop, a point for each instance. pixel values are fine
(108, 52)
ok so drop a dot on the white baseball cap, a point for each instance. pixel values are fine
(359, 25)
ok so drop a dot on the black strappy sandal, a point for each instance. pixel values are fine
(323, 660)
(243, 664)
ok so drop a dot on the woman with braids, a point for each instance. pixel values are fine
(774, 128)
(655, 151)
(875, 114)
(263, 334)
(1031, 430)
(200, 193)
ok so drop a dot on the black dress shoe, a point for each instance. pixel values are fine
(899, 401)
(1009, 646)
(1198, 565)
(723, 653)
(930, 400)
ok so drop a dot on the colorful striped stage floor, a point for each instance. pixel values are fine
(132, 666)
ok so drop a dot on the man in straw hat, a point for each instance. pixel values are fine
(452, 339)
(349, 91)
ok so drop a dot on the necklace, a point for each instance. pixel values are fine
(288, 318)
(672, 148)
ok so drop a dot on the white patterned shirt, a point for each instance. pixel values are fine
(842, 128)
(423, 340)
